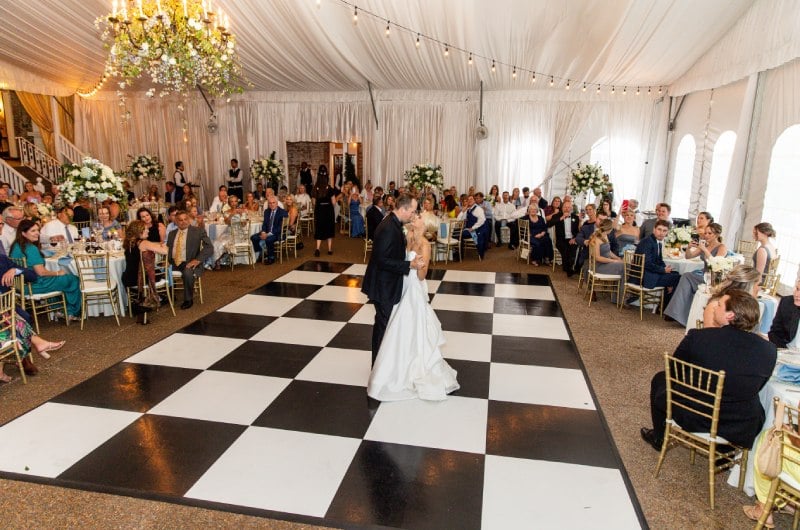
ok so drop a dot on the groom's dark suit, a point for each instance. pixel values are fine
(383, 281)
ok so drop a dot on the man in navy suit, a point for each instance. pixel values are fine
(374, 216)
(783, 332)
(383, 281)
(270, 230)
(656, 273)
(172, 194)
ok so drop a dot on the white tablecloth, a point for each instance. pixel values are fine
(682, 265)
(116, 267)
(766, 305)
(218, 233)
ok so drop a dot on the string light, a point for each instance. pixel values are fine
(355, 15)
(551, 80)
(469, 62)
(625, 91)
(446, 51)
(417, 40)
(598, 90)
(388, 28)
(514, 73)
(649, 91)
(567, 87)
(493, 67)
(533, 78)
(659, 91)
(584, 87)
(319, 3)
(637, 91)
(613, 90)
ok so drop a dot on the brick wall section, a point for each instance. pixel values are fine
(22, 122)
(313, 153)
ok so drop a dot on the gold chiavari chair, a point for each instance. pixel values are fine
(97, 285)
(597, 282)
(634, 284)
(9, 348)
(38, 303)
(524, 248)
(240, 245)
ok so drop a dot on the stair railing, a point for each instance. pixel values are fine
(68, 150)
(38, 160)
(12, 177)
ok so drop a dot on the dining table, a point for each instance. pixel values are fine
(219, 234)
(767, 306)
(116, 266)
(682, 265)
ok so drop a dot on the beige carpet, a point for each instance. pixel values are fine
(620, 354)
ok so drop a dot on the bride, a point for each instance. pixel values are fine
(409, 363)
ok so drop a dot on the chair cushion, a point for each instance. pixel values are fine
(92, 286)
(605, 276)
(43, 296)
(790, 480)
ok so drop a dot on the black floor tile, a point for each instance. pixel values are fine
(347, 280)
(435, 274)
(518, 306)
(322, 408)
(156, 454)
(291, 290)
(465, 321)
(323, 266)
(522, 279)
(467, 289)
(128, 386)
(324, 310)
(410, 487)
(353, 337)
(541, 432)
(230, 325)
(473, 376)
(554, 353)
(267, 358)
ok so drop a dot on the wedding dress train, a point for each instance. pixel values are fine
(409, 363)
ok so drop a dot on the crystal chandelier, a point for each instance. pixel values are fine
(179, 44)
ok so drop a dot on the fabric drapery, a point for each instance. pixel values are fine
(66, 117)
(38, 108)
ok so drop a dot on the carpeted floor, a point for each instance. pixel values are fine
(620, 353)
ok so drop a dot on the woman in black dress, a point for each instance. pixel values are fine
(156, 231)
(324, 218)
(138, 249)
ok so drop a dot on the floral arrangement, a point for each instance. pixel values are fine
(678, 236)
(178, 45)
(145, 166)
(268, 169)
(45, 211)
(590, 178)
(720, 264)
(90, 179)
(422, 176)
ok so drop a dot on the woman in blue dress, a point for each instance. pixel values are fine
(26, 246)
(541, 245)
(356, 219)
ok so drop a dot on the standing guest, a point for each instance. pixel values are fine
(235, 180)
(656, 272)
(388, 204)
(541, 245)
(429, 219)
(392, 190)
(746, 358)
(627, 234)
(12, 217)
(220, 200)
(179, 177)
(189, 248)
(662, 212)
(763, 233)
(494, 194)
(172, 194)
(503, 211)
(526, 197)
(377, 192)
(367, 193)
(60, 228)
(27, 246)
(539, 199)
(304, 177)
(324, 219)
(783, 332)
(265, 240)
(375, 215)
(567, 225)
(156, 231)
(515, 198)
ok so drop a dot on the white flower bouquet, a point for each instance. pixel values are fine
(45, 211)
(145, 166)
(590, 178)
(678, 236)
(422, 176)
(720, 264)
(268, 169)
(90, 179)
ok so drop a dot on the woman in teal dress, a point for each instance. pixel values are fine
(27, 246)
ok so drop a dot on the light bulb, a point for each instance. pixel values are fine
(355, 16)
(551, 81)
(418, 40)
(584, 87)
(659, 91)
(649, 91)
(514, 73)
(567, 87)
(446, 51)
(388, 29)
(533, 77)
(469, 62)
(598, 89)
(613, 90)
(637, 91)
(493, 67)
(625, 91)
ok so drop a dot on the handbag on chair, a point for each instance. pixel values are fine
(768, 456)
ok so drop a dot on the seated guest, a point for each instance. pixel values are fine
(303, 201)
(783, 332)
(503, 211)
(172, 193)
(156, 230)
(59, 229)
(374, 215)
(742, 277)
(627, 234)
(763, 233)
(710, 245)
(172, 211)
(388, 204)
(187, 192)
(260, 194)
(662, 214)
(231, 208)
(367, 192)
(31, 211)
(139, 250)
(80, 211)
(110, 225)
(703, 220)
(451, 208)
(293, 214)
(541, 245)
(429, 219)
(748, 361)
(27, 246)
(605, 207)
(633, 205)
(129, 194)
(250, 203)
(219, 201)
(567, 226)
(195, 219)
(4, 200)
(356, 219)
(474, 225)
(607, 261)
(189, 247)
(553, 208)
(152, 194)
(270, 230)
(656, 273)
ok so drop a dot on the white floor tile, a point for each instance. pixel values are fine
(529, 326)
(467, 346)
(458, 423)
(365, 315)
(336, 365)
(48, 440)
(225, 397)
(519, 493)
(359, 269)
(528, 292)
(433, 285)
(338, 293)
(280, 470)
(541, 385)
(185, 350)
(460, 302)
(309, 277)
(295, 331)
(469, 276)
(268, 306)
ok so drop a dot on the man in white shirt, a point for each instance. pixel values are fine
(220, 200)
(303, 200)
(179, 177)
(59, 229)
(12, 216)
(503, 211)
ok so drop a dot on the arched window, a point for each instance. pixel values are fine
(780, 201)
(599, 157)
(682, 178)
(720, 170)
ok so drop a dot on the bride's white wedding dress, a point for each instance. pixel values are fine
(409, 363)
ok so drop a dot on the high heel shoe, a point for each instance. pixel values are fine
(51, 346)
(754, 512)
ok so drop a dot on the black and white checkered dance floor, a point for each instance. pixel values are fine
(261, 408)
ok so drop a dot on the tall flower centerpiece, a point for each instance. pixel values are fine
(92, 180)
(590, 178)
(145, 167)
(269, 170)
(423, 176)
(679, 236)
(717, 267)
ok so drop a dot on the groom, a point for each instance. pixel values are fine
(383, 281)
